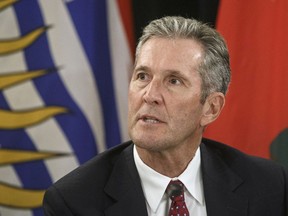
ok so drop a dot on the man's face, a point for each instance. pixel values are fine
(164, 94)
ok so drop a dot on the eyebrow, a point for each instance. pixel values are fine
(141, 67)
(171, 72)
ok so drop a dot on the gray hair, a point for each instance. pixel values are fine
(215, 67)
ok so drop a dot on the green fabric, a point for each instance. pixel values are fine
(279, 148)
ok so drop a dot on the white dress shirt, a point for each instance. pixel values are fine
(154, 185)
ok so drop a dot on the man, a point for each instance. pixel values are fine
(177, 89)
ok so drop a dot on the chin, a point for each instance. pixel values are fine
(150, 144)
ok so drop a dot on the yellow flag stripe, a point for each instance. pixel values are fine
(22, 119)
(15, 78)
(8, 156)
(20, 198)
(6, 3)
(9, 46)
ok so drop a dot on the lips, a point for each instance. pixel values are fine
(150, 119)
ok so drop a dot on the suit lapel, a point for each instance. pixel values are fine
(124, 187)
(220, 186)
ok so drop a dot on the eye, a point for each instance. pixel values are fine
(175, 81)
(142, 76)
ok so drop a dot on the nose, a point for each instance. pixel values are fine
(153, 93)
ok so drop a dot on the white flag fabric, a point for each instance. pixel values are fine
(64, 73)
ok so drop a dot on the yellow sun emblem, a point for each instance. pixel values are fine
(13, 196)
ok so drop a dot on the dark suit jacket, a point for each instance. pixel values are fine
(234, 185)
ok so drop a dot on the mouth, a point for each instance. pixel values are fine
(150, 119)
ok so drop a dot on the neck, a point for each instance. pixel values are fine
(170, 163)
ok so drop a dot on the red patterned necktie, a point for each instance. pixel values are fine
(175, 191)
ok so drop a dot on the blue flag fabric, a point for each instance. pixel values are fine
(63, 93)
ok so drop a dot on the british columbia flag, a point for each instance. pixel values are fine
(64, 73)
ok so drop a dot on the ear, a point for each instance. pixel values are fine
(212, 108)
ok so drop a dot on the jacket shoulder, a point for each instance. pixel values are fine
(96, 169)
(245, 165)
(82, 190)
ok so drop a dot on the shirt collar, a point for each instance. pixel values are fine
(192, 178)
(154, 184)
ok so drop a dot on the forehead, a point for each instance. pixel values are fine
(174, 51)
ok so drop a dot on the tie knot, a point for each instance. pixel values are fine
(175, 189)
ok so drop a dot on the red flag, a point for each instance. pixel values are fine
(125, 8)
(256, 110)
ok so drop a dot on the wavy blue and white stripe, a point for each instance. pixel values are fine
(87, 43)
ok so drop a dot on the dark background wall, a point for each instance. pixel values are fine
(147, 10)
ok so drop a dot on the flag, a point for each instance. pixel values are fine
(255, 115)
(64, 74)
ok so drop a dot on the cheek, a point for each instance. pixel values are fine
(131, 109)
(131, 99)
(188, 113)
(134, 102)
(133, 91)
